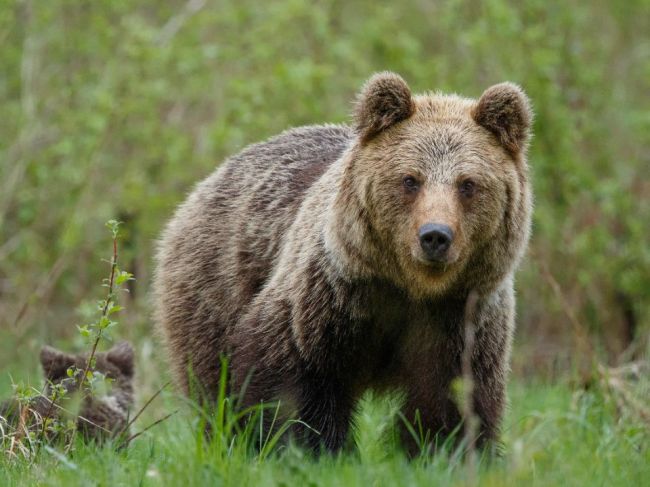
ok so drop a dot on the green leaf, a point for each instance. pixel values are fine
(113, 308)
(124, 276)
(113, 226)
(84, 331)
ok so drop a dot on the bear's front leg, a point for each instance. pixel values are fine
(430, 413)
(292, 355)
(325, 410)
(490, 374)
(318, 407)
(491, 362)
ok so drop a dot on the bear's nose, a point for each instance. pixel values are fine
(435, 240)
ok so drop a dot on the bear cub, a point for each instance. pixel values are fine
(333, 259)
(97, 417)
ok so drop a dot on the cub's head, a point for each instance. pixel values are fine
(116, 364)
(440, 183)
(104, 413)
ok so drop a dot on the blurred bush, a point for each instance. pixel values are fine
(115, 109)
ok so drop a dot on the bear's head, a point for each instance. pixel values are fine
(434, 193)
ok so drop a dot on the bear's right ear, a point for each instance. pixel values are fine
(384, 100)
(55, 363)
(122, 355)
(504, 110)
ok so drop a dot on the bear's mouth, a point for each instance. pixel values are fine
(436, 266)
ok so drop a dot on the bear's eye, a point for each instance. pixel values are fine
(467, 188)
(410, 183)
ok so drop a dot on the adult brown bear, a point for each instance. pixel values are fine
(332, 259)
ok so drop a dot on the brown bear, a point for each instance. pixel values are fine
(332, 259)
(98, 417)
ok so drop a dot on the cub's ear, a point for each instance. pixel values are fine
(504, 110)
(384, 100)
(55, 363)
(122, 356)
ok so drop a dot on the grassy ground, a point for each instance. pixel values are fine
(553, 437)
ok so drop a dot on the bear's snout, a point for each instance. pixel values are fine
(435, 240)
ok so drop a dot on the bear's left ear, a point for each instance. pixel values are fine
(384, 100)
(504, 110)
(55, 363)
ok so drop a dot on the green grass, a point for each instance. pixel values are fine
(552, 437)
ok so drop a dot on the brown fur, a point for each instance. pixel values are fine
(299, 258)
(98, 417)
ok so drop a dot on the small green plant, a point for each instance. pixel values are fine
(88, 380)
(95, 331)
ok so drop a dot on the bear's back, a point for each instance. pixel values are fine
(258, 193)
(222, 243)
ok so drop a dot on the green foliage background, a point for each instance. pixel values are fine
(116, 108)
